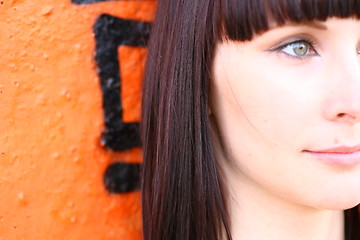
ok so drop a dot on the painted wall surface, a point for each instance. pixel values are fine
(70, 80)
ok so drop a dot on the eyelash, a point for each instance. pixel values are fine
(311, 48)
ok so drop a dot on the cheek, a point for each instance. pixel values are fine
(271, 108)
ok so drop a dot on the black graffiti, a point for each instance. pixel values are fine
(110, 33)
(122, 177)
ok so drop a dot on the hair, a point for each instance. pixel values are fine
(183, 196)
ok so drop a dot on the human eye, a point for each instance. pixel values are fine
(298, 48)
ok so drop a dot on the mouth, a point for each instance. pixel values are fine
(340, 156)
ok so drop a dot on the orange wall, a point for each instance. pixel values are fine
(52, 158)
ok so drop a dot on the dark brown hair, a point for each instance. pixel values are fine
(183, 194)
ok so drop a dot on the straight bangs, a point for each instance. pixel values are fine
(242, 19)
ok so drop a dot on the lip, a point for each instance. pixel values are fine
(340, 156)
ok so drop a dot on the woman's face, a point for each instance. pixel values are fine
(287, 105)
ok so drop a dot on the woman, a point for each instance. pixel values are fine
(251, 120)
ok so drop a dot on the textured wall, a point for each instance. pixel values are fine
(70, 81)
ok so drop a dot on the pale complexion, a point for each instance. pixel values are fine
(289, 90)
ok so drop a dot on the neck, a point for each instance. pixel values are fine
(255, 215)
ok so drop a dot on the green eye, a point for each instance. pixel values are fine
(297, 49)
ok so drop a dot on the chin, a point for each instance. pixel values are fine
(342, 206)
(339, 203)
(338, 191)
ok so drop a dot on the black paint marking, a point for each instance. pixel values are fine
(110, 33)
(122, 177)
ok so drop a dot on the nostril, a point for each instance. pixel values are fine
(347, 117)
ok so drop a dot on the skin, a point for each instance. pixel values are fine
(270, 104)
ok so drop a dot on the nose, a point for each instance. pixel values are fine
(344, 102)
